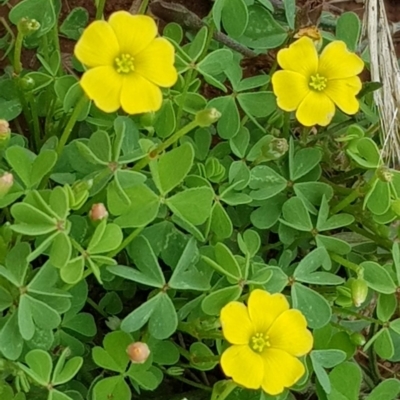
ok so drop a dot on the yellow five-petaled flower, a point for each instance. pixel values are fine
(313, 85)
(127, 63)
(267, 338)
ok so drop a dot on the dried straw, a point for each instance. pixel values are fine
(384, 69)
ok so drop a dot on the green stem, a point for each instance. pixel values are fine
(35, 119)
(96, 307)
(143, 7)
(339, 310)
(17, 53)
(354, 195)
(346, 263)
(100, 9)
(188, 80)
(373, 362)
(229, 388)
(162, 146)
(126, 241)
(56, 42)
(385, 244)
(70, 124)
(191, 383)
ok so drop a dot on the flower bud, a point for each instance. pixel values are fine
(207, 117)
(26, 83)
(98, 212)
(138, 352)
(6, 182)
(5, 132)
(358, 339)
(359, 291)
(384, 174)
(27, 26)
(313, 33)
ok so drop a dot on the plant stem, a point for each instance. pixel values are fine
(70, 124)
(143, 7)
(188, 80)
(17, 53)
(56, 42)
(162, 146)
(355, 314)
(100, 9)
(346, 201)
(96, 307)
(386, 244)
(126, 241)
(189, 382)
(346, 263)
(35, 120)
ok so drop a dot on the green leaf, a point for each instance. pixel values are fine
(142, 210)
(164, 320)
(193, 205)
(387, 305)
(383, 344)
(348, 29)
(197, 45)
(228, 124)
(303, 162)
(389, 389)
(31, 221)
(172, 167)
(82, 323)
(11, 341)
(257, 104)
(220, 223)
(227, 260)
(186, 276)
(42, 165)
(311, 262)
(346, 381)
(314, 307)
(378, 199)
(73, 25)
(216, 62)
(235, 17)
(378, 278)
(165, 120)
(17, 264)
(6, 300)
(61, 250)
(40, 363)
(200, 350)
(213, 303)
(113, 387)
(110, 240)
(21, 160)
(72, 273)
(295, 215)
(290, 11)
(266, 183)
(325, 359)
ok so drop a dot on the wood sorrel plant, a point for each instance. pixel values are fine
(174, 224)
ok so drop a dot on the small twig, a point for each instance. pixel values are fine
(172, 12)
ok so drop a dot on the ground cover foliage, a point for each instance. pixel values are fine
(175, 226)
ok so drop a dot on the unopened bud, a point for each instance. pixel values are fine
(359, 291)
(358, 339)
(98, 212)
(138, 352)
(27, 26)
(311, 32)
(6, 182)
(4, 127)
(207, 117)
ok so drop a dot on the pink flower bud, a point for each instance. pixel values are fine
(4, 126)
(6, 181)
(138, 352)
(98, 212)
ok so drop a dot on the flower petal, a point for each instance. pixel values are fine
(316, 108)
(97, 46)
(236, 325)
(290, 88)
(281, 370)
(343, 93)
(243, 365)
(103, 86)
(337, 62)
(134, 32)
(264, 308)
(289, 333)
(301, 57)
(139, 95)
(156, 63)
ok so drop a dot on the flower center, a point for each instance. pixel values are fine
(259, 341)
(318, 82)
(124, 64)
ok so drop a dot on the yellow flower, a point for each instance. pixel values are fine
(312, 85)
(127, 63)
(267, 338)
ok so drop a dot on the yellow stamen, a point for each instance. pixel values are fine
(258, 342)
(318, 82)
(124, 64)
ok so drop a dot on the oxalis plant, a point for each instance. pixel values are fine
(177, 225)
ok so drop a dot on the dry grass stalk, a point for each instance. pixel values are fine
(384, 69)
